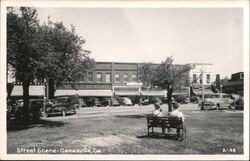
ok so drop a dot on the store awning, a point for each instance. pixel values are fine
(154, 93)
(206, 92)
(94, 93)
(181, 92)
(34, 90)
(126, 93)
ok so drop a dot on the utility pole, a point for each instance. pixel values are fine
(202, 82)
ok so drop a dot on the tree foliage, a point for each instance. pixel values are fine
(166, 76)
(43, 51)
(146, 74)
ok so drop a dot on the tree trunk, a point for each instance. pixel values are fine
(169, 98)
(51, 85)
(25, 118)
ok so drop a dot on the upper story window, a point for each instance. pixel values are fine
(125, 77)
(134, 77)
(241, 75)
(117, 77)
(194, 78)
(99, 77)
(208, 78)
(108, 76)
(201, 78)
(90, 77)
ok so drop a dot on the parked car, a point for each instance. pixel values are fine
(140, 100)
(182, 99)
(91, 102)
(109, 102)
(154, 100)
(63, 105)
(217, 103)
(239, 104)
(125, 101)
(82, 103)
(34, 111)
(195, 99)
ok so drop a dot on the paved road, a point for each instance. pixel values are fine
(120, 110)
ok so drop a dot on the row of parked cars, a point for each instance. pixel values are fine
(70, 104)
(120, 101)
(39, 107)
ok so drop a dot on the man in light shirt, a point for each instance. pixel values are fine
(177, 113)
(157, 112)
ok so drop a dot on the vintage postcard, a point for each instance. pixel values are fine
(125, 80)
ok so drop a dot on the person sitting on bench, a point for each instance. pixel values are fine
(158, 111)
(177, 113)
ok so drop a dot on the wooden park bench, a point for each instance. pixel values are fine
(169, 122)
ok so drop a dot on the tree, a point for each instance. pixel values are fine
(146, 74)
(48, 51)
(169, 76)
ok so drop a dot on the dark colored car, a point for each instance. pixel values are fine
(63, 105)
(239, 104)
(182, 99)
(35, 109)
(154, 100)
(91, 102)
(195, 99)
(109, 102)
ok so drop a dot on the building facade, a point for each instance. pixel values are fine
(117, 79)
(235, 85)
(201, 76)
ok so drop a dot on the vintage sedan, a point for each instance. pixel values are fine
(217, 103)
(62, 105)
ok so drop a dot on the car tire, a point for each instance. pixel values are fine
(63, 113)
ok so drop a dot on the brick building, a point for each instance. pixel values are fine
(107, 80)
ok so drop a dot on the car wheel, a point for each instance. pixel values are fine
(63, 113)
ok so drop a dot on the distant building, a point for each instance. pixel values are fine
(235, 85)
(201, 75)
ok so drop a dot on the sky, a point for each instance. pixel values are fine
(190, 35)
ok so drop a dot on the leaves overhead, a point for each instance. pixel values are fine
(44, 51)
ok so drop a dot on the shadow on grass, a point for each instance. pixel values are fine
(18, 125)
(132, 116)
(159, 136)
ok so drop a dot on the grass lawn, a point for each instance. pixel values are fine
(208, 132)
